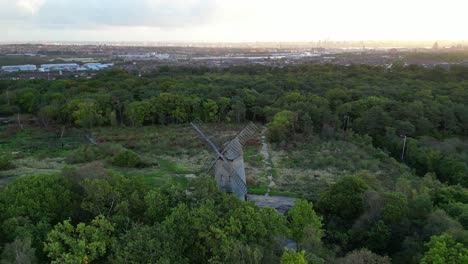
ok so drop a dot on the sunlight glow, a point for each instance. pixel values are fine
(236, 21)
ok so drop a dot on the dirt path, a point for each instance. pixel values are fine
(280, 203)
(265, 151)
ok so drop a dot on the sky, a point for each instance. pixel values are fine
(232, 20)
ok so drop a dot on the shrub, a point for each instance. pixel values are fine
(84, 154)
(127, 158)
(110, 150)
(92, 170)
(5, 162)
(344, 198)
(363, 256)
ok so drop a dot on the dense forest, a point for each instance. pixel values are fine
(414, 116)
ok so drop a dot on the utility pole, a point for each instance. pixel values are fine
(404, 147)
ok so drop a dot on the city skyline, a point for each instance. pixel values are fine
(231, 21)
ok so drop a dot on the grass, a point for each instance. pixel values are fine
(31, 165)
(309, 168)
(169, 151)
(300, 169)
(38, 142)
(261, 190)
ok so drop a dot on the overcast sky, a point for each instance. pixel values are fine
(232, 20)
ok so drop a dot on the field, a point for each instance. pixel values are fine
(176, 151)
(166, 151)
(317, 164)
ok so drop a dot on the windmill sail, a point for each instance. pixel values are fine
(207, 140)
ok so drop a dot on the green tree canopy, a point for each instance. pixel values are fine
(80, 244)
(444, 249)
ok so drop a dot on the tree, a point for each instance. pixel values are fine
(117, 198)
(302, 216)
(142, 244)
(36, 197)
(87, 115)
(374, 123)
(138, 112)
(444, 249)
(344, 198)
(48, 113)
(19, 252)
(438, 222)
(294, 97)
(282, 126)
(337, 97)
(80, 244)
(238, 109)
(28, 99)
(458, 211)
(210, 110)
(223, 105)
(291, 256)
(395, 208)
(363, 256)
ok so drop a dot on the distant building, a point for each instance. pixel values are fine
(82, 60)
(17, 68)
(59, 67)
(97, 66)
(153, 55)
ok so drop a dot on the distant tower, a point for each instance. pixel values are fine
(435, 46)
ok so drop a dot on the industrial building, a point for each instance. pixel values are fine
(153, 55)
(96, 66)
(59, 67)
(17, 68)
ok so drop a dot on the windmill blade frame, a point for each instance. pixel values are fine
(208, 141)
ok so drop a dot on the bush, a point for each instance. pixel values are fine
(110, 150)
(363, 256)
(5, 162)
(127, 158)
(84, 154)
(92, 170)
(345, 198)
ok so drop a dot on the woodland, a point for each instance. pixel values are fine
(377, 159)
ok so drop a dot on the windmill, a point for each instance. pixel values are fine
(227, 165)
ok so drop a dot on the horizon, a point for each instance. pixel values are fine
(340, 44)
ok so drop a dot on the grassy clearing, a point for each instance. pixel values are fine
(157, 175)
(176, 150)
(168, 151)
(307, 169)
(255, 168)
(38, 142)
(302, 169)
(31, 165)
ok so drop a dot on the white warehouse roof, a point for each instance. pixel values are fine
(14, 68)
(59, 67)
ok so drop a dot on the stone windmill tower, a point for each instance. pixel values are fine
(227, 165)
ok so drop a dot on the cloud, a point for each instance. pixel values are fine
(232, 20)
(99, 13)
(30, 6)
